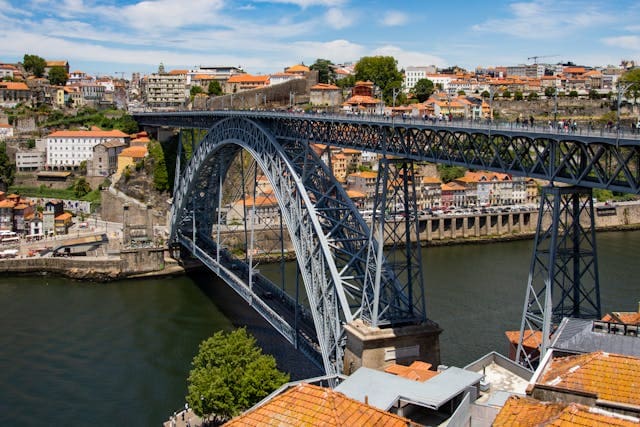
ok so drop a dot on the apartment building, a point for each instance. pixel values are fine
(413, 74)
(164, 90)
(67, 149)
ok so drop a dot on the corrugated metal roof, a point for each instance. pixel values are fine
(577, 336)
(383, 390)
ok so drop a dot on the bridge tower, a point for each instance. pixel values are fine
(393, 326)
(563, 277)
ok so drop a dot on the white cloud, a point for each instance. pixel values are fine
(307, 3)
(336, 50)
(163, 15)
(394, 18)
(624, 42)
(545, 19)
(338, 19)
(409, 58)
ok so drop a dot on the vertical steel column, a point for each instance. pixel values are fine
(563, 277)
(395, 218)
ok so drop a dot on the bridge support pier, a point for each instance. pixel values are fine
(563, 277)
(378, 348)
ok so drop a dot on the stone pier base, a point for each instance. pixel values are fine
(378, 348)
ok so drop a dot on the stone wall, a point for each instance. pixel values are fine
(137, 261)
(76, 268)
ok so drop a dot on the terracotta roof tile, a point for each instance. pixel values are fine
(299, 68)
(64, 216)
(248, 78)
(629, 318)
(88, 134)
(417, 371)
(13, 86)
(532, 339)
(310, 405)
(135, 152)
(523, 411)
(607, 376)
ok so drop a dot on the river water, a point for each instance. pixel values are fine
(74, 353)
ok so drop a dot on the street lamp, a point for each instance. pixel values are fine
(622, 88)
(491, 93)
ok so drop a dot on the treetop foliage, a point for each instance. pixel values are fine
(58, 76)
(383, 72)
(326, 72)
(230, 374)
(34, 64)
(423, 89)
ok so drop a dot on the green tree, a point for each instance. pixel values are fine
(461, 93)
(346, 82)
(518, 96)
(423, 89)
(485, 94)
(160, 174)
(593, 94)
(326, 72)
(126, 124)
(549, 91)
(506, 94)
(449, 173)
(81, 187)
(573, 94)
(195, 90)
(34, 64)
(230, 374)
(214, 88)
(632, 77)
(58, 76)
(383, 72)
(7, 169)
(532, 96)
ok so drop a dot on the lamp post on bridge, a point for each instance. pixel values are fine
(491, 94)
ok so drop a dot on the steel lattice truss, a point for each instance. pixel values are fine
(594, 162)
(328, 234)
(563, 279)
(394, 223)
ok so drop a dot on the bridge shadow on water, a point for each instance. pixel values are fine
(234, 308)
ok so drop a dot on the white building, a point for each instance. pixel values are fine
(6, 131)
(30, 160)
(413, 74)
(67, 149)
(441, 79)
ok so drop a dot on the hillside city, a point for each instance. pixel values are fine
(74, 163)
(36, 93)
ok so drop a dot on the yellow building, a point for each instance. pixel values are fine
(130, 156)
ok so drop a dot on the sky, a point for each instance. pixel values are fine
(109, 37)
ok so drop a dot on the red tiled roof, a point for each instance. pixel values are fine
(310, 405)
(629, 318)
(523, 411)
(417, 371)
(13, 86)
(136, 152)
(63, 216)
(607, 376)
(532, 339)
(299, 68)
(248, 78)
(88, 134)
(324, 86)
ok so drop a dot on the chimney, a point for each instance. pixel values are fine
(366, 399)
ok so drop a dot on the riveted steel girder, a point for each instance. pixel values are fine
(563, 278)
(587, 161)
(329, 235)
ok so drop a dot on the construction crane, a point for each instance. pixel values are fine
(535, 58)
(121, 74)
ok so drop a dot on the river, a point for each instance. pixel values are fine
(74, 353)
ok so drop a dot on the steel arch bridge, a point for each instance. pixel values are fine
(336, 252)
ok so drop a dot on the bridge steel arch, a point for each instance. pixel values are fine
(329, 236)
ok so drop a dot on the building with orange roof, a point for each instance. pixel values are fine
(6, 131)
(62, 223)
(166, 91)
(363, 182)
(324, 94)
(524, 411)
(299, 69)
(603, 380)
(242, 82)
(417, 371)
(453, 194)
(104, 161)
(311, 405)
(429, 192)
(624, 318)
(67, 149)
(13, 93)
(6, 214)
(128, 157)
(56, 63)
(264, 209)
(8, 70)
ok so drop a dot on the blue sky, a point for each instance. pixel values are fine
(264, 36)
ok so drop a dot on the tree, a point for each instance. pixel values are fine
(573, 94)
(461, 93)
(518, 96)
(160, 174)
(633, 77)
(195, 90)
(593, 94)
(506, 94)
(126, 124)
(230, 374)
(58, 76)
(214, 88)
(485, 94)
(532, 96)
(34, 64)
(449, 173)
(7, 169)
(326, 72)
(423, 89)
(383, 72)
(81, 187)
(549, 91)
